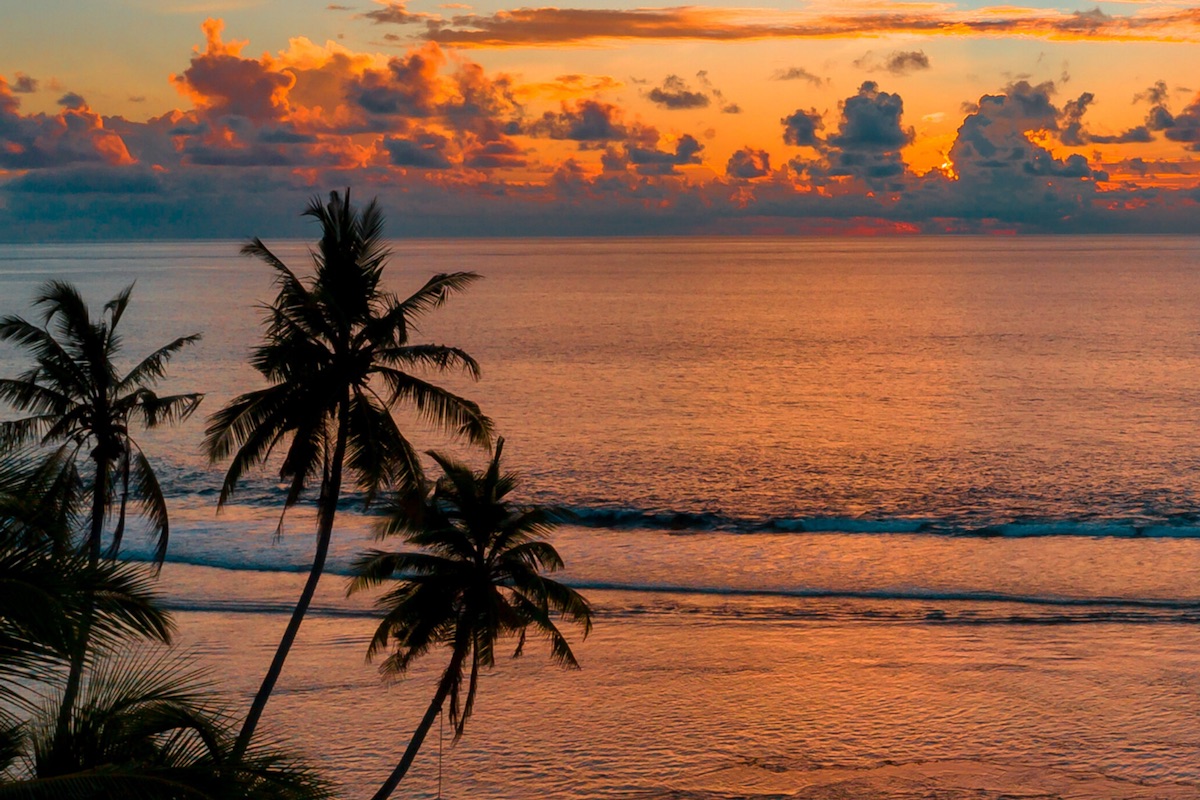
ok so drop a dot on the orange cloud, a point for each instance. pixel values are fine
(75, 135)
(220, 81)
(555, 26)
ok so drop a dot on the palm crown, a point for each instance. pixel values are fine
(337, 354)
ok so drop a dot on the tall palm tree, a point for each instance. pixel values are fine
(337, 356)
(476, 578)
(78, 400)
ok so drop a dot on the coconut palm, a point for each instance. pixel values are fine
(79, 401)
(142, 725)
(337, 357)
(475, 578)
(146, 727)
(48, 593)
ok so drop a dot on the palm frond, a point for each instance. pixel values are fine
(153, 367)
(431, 356)
(436, 291)
(439, 407)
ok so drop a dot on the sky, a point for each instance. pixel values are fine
(153, 119)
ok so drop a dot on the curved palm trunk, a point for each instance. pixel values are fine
(325, 519)
(79, 656)
(418, 737)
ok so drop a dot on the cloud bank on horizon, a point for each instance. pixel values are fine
(465, 122)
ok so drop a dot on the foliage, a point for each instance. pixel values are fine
(474, 578)
(76, 399)
(337, 356)
(336, 342)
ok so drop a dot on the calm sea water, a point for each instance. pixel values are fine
(844, 504)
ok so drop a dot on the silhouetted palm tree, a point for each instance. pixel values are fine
(48, 593)
(476, 579)
(146, 727)
(142, 726)
(79, 401)
(337, 356)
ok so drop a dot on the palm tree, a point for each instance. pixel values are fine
(48, 593)
(475, 579)
(337, 356)
(142, 726)
(146, 727)
(79, 401)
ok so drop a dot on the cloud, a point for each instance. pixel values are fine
(584, 121)
(748, 163)
(451, 147)
(798, 74)
(1186, 126)
(222, 83)
(409, 87)
(72, 101)
(674, 95)
(1002, 169)
(1072, 133)
(75, 135)
(539, 26)
(801, 127)
(24, 84)
(871, 121)
(898, 62)
(426, 151)
(649, 160)
(397, 13)
(903, 62)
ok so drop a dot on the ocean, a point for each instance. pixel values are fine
(861, 517)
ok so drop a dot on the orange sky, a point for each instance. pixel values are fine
(506, 120)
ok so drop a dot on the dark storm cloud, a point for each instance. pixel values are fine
(652, 161)
(586, 121)
(24, 84)
(72, 101)
(427, 151)
(902, 62)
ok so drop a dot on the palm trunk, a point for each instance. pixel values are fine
(418, 737)
(325, 518)
(79, 655)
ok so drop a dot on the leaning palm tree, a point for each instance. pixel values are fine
(78, 401)
(475, 578)
(337, 357)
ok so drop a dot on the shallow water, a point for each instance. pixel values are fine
(841, 503)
